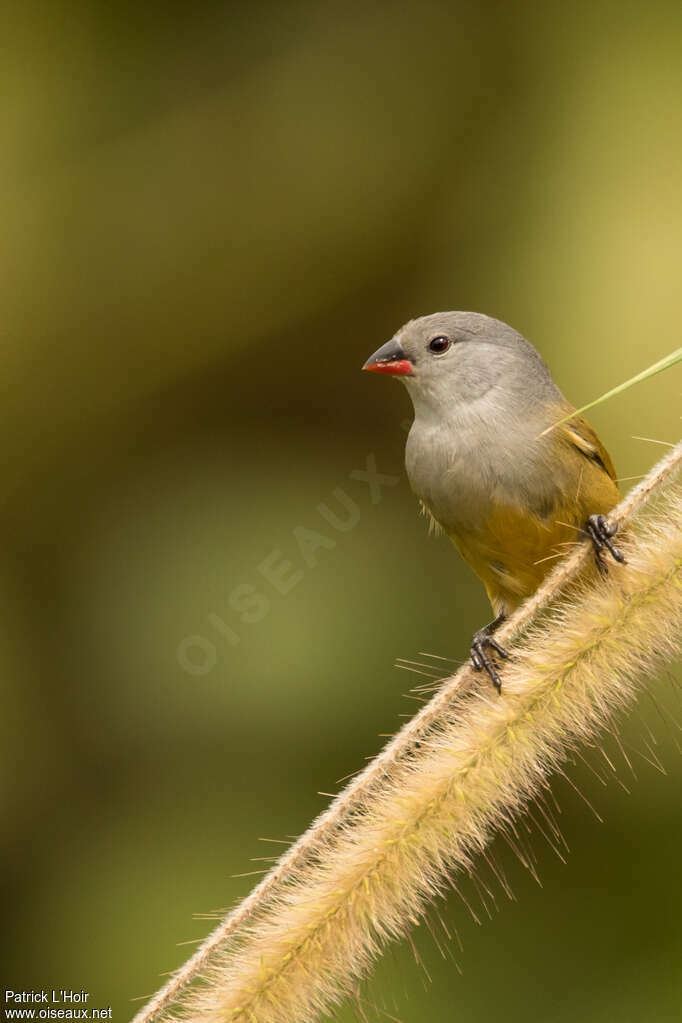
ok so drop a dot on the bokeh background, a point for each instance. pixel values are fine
(211, 214)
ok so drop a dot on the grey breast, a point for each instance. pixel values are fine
(462, 473)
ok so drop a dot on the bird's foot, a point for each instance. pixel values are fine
(480, 658)
(600, 531)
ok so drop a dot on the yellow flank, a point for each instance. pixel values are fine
(513, 550)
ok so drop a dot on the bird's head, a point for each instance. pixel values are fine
(458, 357)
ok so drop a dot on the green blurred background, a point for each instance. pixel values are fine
(211, 215)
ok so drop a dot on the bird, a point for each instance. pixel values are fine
(491, 462)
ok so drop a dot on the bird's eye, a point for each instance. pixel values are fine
(439, 344)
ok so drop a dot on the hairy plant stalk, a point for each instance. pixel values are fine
(460, 772)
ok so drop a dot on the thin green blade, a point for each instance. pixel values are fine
(651, 371)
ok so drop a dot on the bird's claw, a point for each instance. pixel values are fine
(480, 659)
(600, 531)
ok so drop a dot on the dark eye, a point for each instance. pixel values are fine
(439, 344)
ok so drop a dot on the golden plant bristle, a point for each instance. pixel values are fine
(477, 767)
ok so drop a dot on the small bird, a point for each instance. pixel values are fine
(509, 497)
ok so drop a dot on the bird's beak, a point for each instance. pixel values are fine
(390, 358)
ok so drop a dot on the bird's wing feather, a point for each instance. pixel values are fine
(581, 435)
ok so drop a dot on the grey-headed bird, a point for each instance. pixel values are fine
(508, 495)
